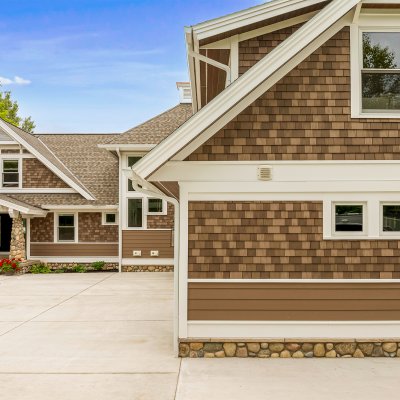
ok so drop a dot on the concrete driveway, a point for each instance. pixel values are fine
(109, 336)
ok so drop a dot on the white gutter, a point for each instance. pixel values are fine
(149, 189)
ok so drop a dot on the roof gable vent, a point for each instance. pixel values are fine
(185, 92)
(264, 173)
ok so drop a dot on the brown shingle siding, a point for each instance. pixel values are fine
(162, 221)
(36, 175)
(305, 116)
(92, 230)
(279, 240)
(42, 229)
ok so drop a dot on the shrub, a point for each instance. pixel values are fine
(79, 268)
(7, 265)
(59, 271)
(40, 269)
(98, 265)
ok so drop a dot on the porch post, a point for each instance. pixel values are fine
(17, 245)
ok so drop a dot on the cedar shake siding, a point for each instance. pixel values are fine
(42, 229)
(92, 230)
(305, 116)
(294, 301)
(162, 221)
(279, 240)
(74, 250)
(147, 240)
(37, 175)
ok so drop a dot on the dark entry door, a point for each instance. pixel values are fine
(5, 232)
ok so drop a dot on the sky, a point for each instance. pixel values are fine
(98, 65)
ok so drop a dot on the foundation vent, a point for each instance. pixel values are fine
(264, 173)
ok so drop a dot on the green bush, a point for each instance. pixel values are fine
(98, 265)
(59, 271)
(40, 269)
(79, 268)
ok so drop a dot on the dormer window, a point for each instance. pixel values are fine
(380, 72)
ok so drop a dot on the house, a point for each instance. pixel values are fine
(64, 199)
(289, 182)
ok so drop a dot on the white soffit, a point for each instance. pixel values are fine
(248, 87)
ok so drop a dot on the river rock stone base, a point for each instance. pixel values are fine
(291, 349)
(147, 268)
(69, 267)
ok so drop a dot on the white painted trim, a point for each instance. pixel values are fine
(46, 162)
(103, 218)
(147, 261)
(210, 61)
(241, 93)
(22, 209)
(387, 234)
(293, 329)
(82, 208)
(9, 157)
(36, 190)
(327, 281)
(28, 239)
(234, 58)
(68, 259)
(76, 227)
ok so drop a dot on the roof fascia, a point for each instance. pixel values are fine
(80, 207)
(24, 210)
(249, 86)
(249, 16)
(381, 1)
(45, 161)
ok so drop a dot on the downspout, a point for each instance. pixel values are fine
(119, 211)
(148, 189)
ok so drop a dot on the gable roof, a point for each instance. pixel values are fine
(95, 167)
(23, 207)
(39, 150)
(252, 84)
(156, 129)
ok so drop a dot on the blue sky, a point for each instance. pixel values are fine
(98, 65)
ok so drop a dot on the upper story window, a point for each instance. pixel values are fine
(132, 160)
(10, 174)
(380, 73)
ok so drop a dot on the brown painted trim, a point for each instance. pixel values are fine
(297, 301)
(74, 249)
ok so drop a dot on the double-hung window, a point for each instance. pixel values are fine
(10, 174)
(380, 72)
(66, 228)
(135, 212)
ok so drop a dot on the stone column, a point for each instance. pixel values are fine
(17, 245)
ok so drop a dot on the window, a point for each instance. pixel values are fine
(66, 228)
(349, 219)
(390, 218)
(132, 160)
(135, 213)
(155, 206)
(380, 72)
(10, 173)
(110, 219)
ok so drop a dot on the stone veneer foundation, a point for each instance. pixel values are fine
(291, 349)
(70, 266)
(147, 268)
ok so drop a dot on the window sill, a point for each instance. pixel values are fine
(375, 115)
(386, 237)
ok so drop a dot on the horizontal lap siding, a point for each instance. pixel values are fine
(279, 240)
(294, 301)
(146, 241)
(74, 249)
(306, 115)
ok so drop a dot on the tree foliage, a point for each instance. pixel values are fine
(9, 112)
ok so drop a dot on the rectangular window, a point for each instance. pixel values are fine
(66, 228)
(132, 161)
(10, 173)
(390, 218)
(135, 213)
(349, 219)
(380, 72)
(155, 206)
(110, 219)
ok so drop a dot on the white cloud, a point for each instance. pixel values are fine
(16, 81)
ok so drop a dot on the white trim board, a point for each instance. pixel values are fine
(147, 261)
(75, 260)
(251, 85)
(292, 329)
(327, 281)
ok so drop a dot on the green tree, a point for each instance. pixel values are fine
(377, 56)
(9, 112)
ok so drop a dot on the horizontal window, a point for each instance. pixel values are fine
(349, 218)
(110, 219)
(155, 206)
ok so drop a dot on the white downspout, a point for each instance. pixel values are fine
(148, 189)
(119, 211)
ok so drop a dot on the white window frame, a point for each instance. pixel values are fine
(11, 157)
(56, 226)
(144, 214)
(346, 234)
(356, 51)
(104, 219)
(388, 234)
(164, 206)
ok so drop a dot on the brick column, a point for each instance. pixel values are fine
(17, 245)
